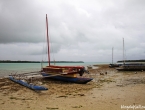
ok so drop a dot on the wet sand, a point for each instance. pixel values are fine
(105, 92)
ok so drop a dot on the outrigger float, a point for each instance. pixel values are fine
(26, 80)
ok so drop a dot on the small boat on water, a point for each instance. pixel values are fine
(30, 86)
(64, 73)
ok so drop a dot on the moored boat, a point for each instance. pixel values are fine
(132, 67)
(63, 73)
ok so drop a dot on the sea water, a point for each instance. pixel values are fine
(18, 68)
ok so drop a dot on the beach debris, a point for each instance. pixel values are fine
(17, 98)
(89, 67)
(81, 94)
(51, 108)
(62, 96)
(101, 73)
(135, 72)
(79, 106)
(99, 85)
(120, 85)
(105, 73)
(106, 80)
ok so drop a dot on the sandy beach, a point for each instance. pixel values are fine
(110, 91)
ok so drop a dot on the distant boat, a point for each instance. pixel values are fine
(130, 66)
(63, 73)
(113, 65)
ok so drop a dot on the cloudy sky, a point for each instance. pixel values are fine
(84, 30)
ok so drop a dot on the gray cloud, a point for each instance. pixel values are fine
(78, 30)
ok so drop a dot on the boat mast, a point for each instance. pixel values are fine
(123, 52)
(48, 40)
(112, 55)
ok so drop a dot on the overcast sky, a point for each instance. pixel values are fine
(79, 30)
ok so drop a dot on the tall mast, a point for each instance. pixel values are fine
(123, 52)
(48, 40)
(112, 55)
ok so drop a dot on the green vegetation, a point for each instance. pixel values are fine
(9, 61)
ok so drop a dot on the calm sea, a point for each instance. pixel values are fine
(8, 68)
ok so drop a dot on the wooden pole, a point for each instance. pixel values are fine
(48, 41)
(123, 52)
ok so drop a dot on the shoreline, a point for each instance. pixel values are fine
(104, 92)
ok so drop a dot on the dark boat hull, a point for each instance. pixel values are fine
(131, 67)
(68, 79)
(30, 86)
(113, 65)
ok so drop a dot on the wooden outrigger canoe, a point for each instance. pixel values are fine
(67, 79)
(67, 73)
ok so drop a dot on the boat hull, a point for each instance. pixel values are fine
(131, 67)
(68, 79)
(113, 65)
(30, 86)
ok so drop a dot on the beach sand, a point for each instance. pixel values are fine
(105, 92)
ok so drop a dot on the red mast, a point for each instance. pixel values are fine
(48, 41)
